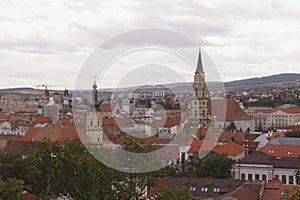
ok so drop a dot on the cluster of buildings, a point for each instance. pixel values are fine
(287, 92)
(265, 162)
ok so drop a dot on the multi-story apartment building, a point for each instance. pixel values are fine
(276, 117)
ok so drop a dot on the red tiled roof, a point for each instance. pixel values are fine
(20, 110)
(22, 147)
(292, 110)
(227, 136)
(41, 120)
(231, 149)
(280, 150)
(29, 196)
(167, 123)
(244, 193)
(107, 107)
(251, 145)
(195, 146)
(276, 188)
(233, 111)
(53, 133)
(13, 118)
(21, 139)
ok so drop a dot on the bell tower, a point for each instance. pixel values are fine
(94, 127)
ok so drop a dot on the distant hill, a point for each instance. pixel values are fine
(266, 80)
(278, 80)
(18, 88)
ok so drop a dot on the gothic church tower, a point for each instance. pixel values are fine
(200, 112)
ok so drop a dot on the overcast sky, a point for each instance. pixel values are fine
(48, 41)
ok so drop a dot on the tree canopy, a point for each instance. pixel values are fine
(11, 189)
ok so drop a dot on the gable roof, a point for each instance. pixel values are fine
(287, 163)
(292, 110)
(231, 149)
(233, 111)
(243, 192)
(281, 150)
(195, 146)
(51, 132)
(251, 145)
(107, 107)
(275, 190)
(256, 158)
(21, 147)
(202, 186)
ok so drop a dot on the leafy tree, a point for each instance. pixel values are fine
(135, 185)
(12, 189)
(297, 175)
(176, 193)
(216, 165)
(12, 166)
(292, 194)
(66, 168)
(294, 134)
(193, 166)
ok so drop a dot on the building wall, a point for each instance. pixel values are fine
(276, 119)
(261, 170)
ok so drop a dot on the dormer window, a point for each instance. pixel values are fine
(290, 153)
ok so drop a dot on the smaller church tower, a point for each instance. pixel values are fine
(95, 92)
(65, 106)
(94, 127)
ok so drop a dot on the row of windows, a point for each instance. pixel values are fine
(256, 176)
(264, 178)
(284, 179)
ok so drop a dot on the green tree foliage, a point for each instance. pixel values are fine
(294, 134)
(216, 165)
(66, 168)
(12, 189)
(292, 194)
(193, 166)
(176, 193)
(135, 185)
(213, 165)
(273, 102)
(12, 166)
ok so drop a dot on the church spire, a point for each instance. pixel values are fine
(95, 93)
(199, 64)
